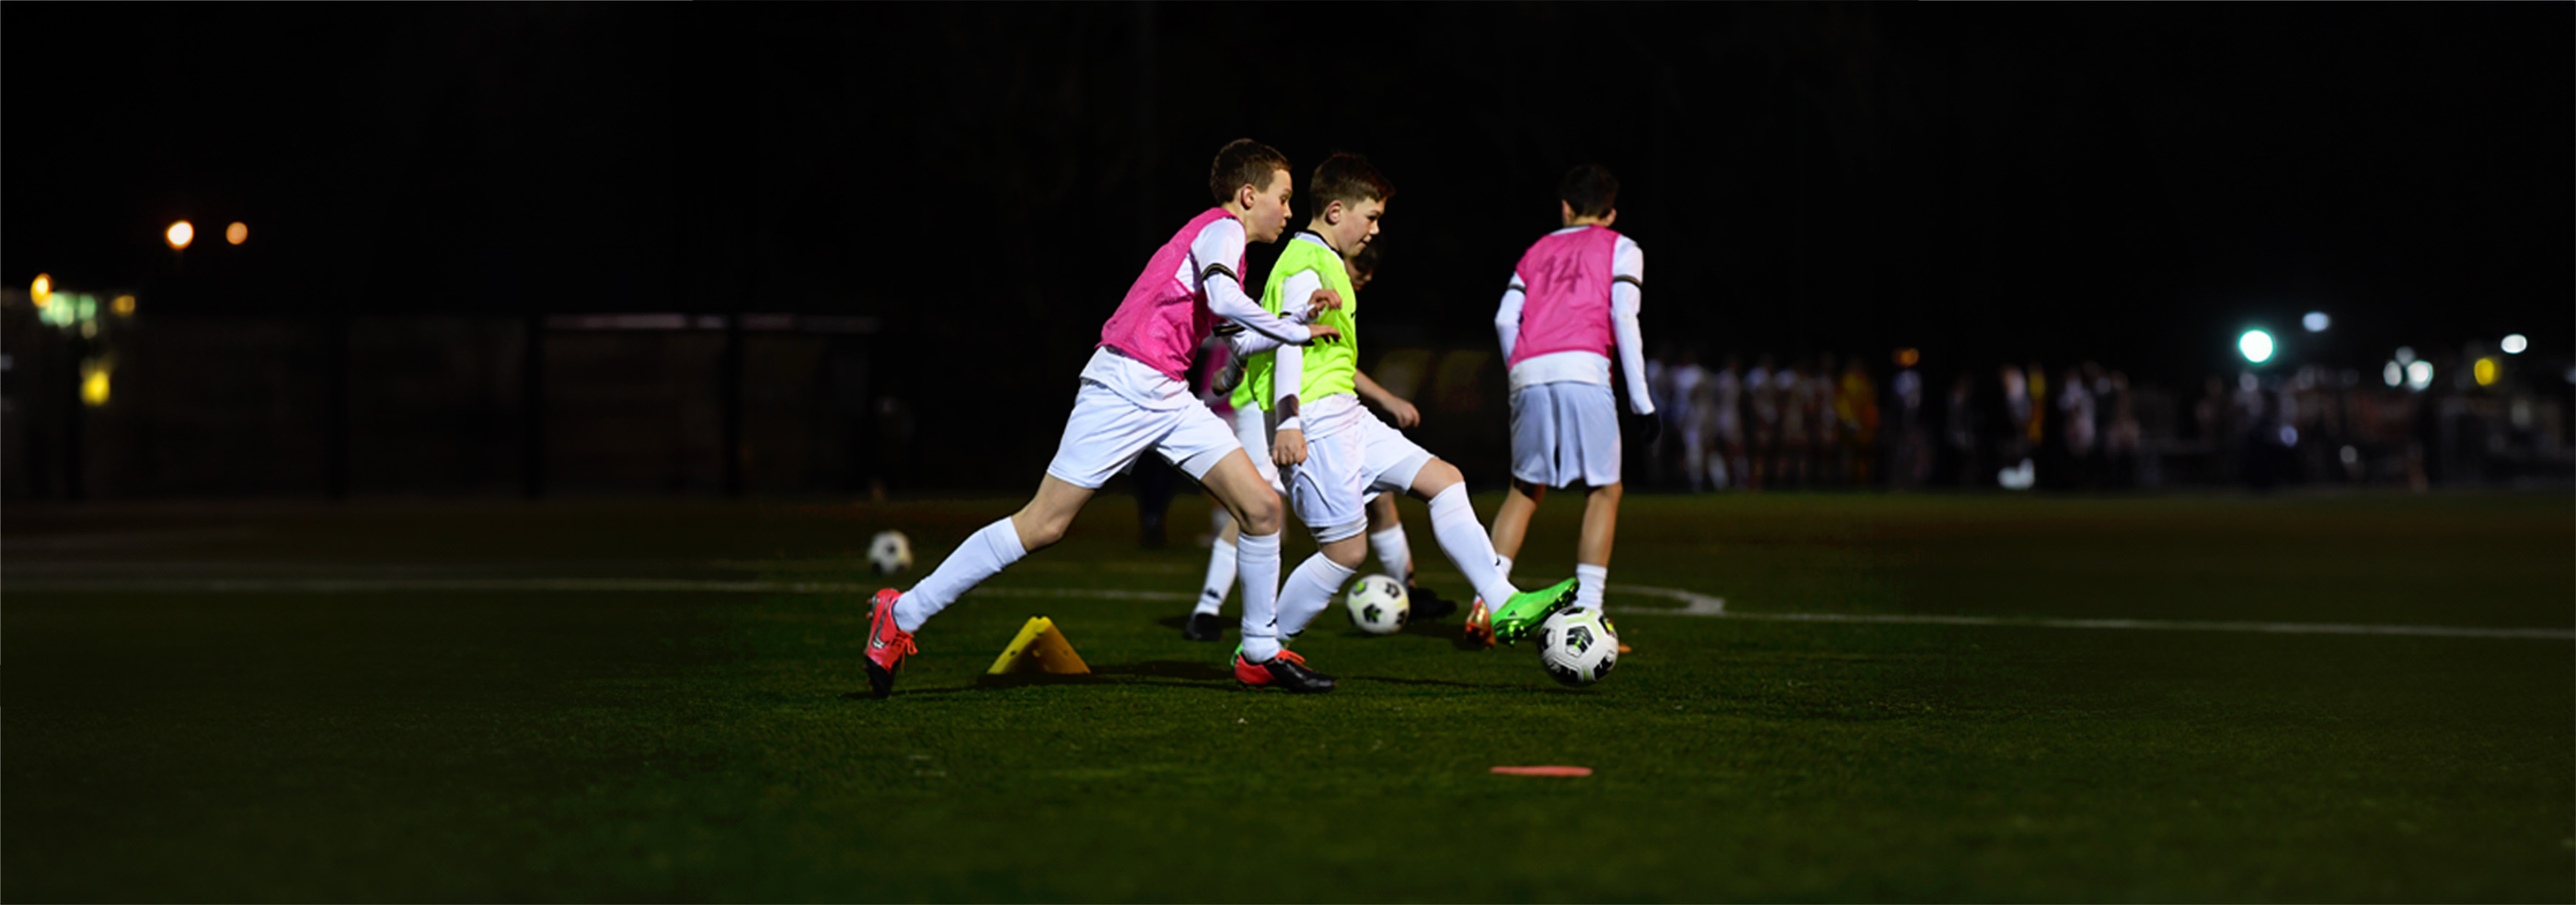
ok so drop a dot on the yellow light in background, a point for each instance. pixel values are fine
(237, 233)
(124, 304)
(2486, 372)
(181, 234)
(1907, 357)
(43, 291)
(93, 383)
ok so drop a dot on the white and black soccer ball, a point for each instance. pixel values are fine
(890, 552)
(1578, 647)
(1378, 605)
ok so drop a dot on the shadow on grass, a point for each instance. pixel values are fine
(1165, 673)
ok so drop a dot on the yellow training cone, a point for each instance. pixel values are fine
(1039, 648)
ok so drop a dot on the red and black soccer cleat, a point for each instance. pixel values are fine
(1286, 672)
(887, 645)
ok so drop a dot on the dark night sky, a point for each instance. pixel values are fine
(2132, 183)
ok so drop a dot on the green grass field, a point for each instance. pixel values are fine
(426, 701)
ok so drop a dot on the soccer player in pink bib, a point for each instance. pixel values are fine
(1134, 399)
(1572, 304)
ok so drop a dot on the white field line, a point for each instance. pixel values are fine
(1693, 603)
(1696, 604)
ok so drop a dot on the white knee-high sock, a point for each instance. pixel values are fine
(1256, 566)
(1589, 582)
(986, 552)
(1308, 591)
(1453, 521)
(1503, 564)
(1394, 553)
(1220, 577)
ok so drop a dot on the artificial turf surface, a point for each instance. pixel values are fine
(169, 737)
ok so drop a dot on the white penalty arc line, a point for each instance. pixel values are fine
(1693, 603)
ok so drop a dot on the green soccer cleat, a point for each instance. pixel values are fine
(1522, 614)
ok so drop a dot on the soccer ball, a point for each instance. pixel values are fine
(1378, 605)
(1578, 647)
(890, 552)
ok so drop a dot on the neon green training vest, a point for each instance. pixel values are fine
(1326, 368)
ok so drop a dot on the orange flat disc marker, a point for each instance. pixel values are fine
(1544, 771)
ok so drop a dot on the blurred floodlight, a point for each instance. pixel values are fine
(2316, 321)
(43, 291)
(2486, 372)
(124, 304)
(237, 233)
(2406, 355)
(2419, 374)
(1907, 357)
(2289, 435)
(2515, 343)
(2394, 373)
(2351, 455)
(180, 235)
(2257, 346)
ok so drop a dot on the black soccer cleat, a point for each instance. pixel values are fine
(1286, 672)
(1428, 604)
(1204, 627)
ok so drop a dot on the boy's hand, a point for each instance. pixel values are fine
(1289, 447)
(1404, 413)
(1323, 333)
(1323, 300)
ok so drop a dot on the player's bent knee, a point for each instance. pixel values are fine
(1436, 475)
(1261, 516)
(1346, 553)
(1041, 533)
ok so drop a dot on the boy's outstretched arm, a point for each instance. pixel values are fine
(1250, 342)
(1224, 288)
(1404, 412)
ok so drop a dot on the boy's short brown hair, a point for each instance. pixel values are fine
(1240, 163)
(1349, 179)
(1590, 190)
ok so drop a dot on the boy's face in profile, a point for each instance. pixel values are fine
(1360, 277)
(1268, 216)
(1351, 228)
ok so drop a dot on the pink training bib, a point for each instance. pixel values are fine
(1165, 314)
(1565, 305)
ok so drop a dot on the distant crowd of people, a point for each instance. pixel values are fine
(1823, 422)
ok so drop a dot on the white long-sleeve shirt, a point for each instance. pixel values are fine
(1212, 256)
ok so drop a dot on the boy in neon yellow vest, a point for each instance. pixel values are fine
(1331, 451)
(1386, 536)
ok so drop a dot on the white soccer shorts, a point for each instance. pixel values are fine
(1565, 434)
(1106, 432)
(1351, 456)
